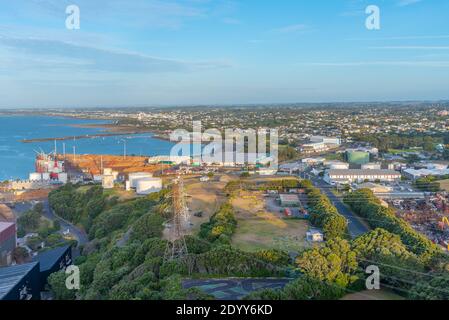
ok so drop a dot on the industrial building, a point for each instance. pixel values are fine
(171, 160)
(107, 181)
(359, 176)
(336, 165)
(289, 200)
(416, 174)
(20, 282)
(52, 261)
(7, 242)
(320, 144)
(326, 140)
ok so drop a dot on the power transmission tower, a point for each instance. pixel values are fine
(177, 247)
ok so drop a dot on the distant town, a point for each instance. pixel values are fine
(366, 181)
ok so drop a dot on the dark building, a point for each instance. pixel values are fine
(20, 282)
(7, 242)
(52, 261)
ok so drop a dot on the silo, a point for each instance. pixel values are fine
(146, 186)
(63, 177)
(133, 177)
(108, 181)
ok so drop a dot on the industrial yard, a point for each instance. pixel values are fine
(429, 216)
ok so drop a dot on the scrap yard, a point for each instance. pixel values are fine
(429, 216)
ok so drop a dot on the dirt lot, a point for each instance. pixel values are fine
(259, 228)
(94, 163)
(205, 197)
(444, 185)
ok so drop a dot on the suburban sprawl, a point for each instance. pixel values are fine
(357, 186)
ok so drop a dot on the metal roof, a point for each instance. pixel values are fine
(48, 259)
(11, 276)
(365, 172)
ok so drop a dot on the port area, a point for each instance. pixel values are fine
(88, 166)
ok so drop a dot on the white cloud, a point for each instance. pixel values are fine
(292, 28)
(405, 3)
(442, 64)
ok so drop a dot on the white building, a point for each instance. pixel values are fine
(326, 140)
(416, 174)
(313, 161)
(108, 181)
(170, 159)
(314, 147)
(336, 165)
(359, 176)
(315, 235)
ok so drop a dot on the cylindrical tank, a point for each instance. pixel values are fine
(133, 177)
(45, 176)
(127, 186)
(146, 186)
(35, 176)
(62, 177)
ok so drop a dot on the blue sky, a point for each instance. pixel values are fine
(183, 52)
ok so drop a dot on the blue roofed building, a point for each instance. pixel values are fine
(20, 282)
(53, 261)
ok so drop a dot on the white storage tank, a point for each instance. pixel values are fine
(108, 181)
(133, 177)
(63, 177)
(46, 176)
(146, 186)
(35, 176)
(127, 185)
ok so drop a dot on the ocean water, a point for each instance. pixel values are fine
(17, 158)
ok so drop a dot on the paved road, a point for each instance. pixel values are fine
(79, 234)
(355, 224)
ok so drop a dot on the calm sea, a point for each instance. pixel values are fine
(17, 158)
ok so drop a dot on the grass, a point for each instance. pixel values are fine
(374, 295)
(259, 229)
(398, 151)
(444, 184)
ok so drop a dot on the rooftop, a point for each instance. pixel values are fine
(47, 259)
(289, 197)
(358, 172)
(11, 276)
(5, 225)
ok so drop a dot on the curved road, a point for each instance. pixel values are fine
(79, 234)
(356, 225)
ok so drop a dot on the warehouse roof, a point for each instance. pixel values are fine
(11, 276)
(367, 172)
(48, 259)
(289, 198)
(5, 225)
